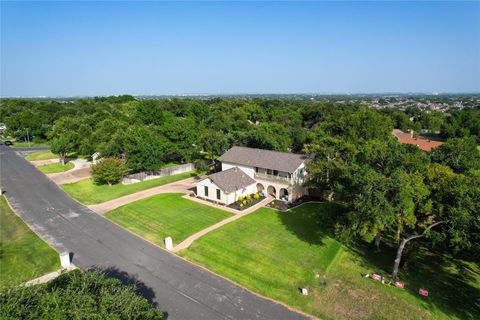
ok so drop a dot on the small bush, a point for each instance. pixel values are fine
(109, 171)
(256, 196)
(240, 198)
(248, 197)
(244, 202)
(241, 205)
(77, 295)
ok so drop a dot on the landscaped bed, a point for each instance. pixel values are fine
(247, 201)
(87, 192)
(276, 253)
(56, 167)
(165, 215)
(23, 255)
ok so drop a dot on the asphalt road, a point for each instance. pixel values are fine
(182, 290)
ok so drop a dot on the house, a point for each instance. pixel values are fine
(245, 171)
(424, 144)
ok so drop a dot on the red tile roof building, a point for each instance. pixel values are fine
(424, 144)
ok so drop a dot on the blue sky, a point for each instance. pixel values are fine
(103, 48)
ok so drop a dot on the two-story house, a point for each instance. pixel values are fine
(245, 171)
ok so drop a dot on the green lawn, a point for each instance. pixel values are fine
(165, 215)
(25, 144)
(56, 167)
(276, 253)
(23, 255)
(41, 155)
(87, 192)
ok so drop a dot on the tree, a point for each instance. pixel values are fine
(214, 142)
(330, 159)
(144, 148)
(62, 146)
(460, 154)
(78, 295)
(450, 215)
(109, 170)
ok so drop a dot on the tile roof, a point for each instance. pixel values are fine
(424, 144)
(281, 161)
(231, 180)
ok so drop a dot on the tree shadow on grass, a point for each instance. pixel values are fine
(311, 222)
(448, 280)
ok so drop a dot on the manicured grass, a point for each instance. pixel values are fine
(164, 215)
(41, 155)
(25, 144)
(276, 253)
(87, 192)
(23, 255)
(56, 167)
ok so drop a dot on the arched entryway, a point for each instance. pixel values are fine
(272, 191)
(260, 188)
(283, 194)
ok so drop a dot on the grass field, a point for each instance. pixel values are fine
(56, 167)
(165, 215)
(41, 155)
(276, 253)
(23, 255)
(87, 192)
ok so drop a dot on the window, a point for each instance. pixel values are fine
(206, 191)
(269, 171)
(275, 172)
(256, 169)
(218, 194)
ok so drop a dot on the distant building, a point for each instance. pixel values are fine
(424, 144)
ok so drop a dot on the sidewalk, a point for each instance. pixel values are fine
(79, 172)
(238, 214)
(49, 276)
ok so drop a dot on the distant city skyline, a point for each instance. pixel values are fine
(71, 49)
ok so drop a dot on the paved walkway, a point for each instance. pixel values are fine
(182, 186)
(80, 172)
(187, 242)
(49, 276)
(37, 163)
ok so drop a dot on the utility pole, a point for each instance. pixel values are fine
(28, 138)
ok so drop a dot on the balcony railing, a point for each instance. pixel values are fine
(273, 178)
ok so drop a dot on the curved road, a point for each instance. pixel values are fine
(184, 291)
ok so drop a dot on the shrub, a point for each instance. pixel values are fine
(256, 196)
(241, 205)
(77, 295)
(248, 197)
(240, 198)
(109, 171)
(244, 202)
(201, 165)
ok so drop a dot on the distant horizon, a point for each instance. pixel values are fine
(254, 94)
(71, 49)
